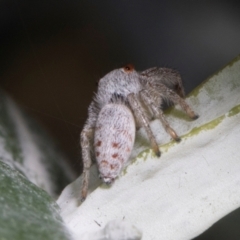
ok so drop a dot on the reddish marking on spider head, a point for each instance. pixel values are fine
(115, 145)
(128, 68)
(98, 144)
(115, 155)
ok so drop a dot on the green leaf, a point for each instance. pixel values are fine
(25, 146)
(29, 160)
(26, 211)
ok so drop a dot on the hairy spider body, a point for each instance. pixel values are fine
(122, 99)
(113, 140)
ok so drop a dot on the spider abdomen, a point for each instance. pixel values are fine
(113, 140)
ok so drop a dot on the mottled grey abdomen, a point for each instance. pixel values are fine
(113, 140)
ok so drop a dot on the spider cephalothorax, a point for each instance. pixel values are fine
(122, 97)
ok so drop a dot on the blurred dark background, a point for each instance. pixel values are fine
(53, 52)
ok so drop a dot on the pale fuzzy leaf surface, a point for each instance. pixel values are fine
(178, 196)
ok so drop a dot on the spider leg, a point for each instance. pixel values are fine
(158, 113)
(167, 76)
(176, 99)
(86, 141)
(142, 118)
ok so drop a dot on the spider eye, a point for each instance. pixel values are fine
(128, 68)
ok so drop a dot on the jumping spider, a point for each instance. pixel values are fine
(125, 97)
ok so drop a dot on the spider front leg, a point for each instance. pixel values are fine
(158, 113)
(143, 121)
(86, 143)
(176, 99)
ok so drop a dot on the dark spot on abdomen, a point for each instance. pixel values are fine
(115, 155)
